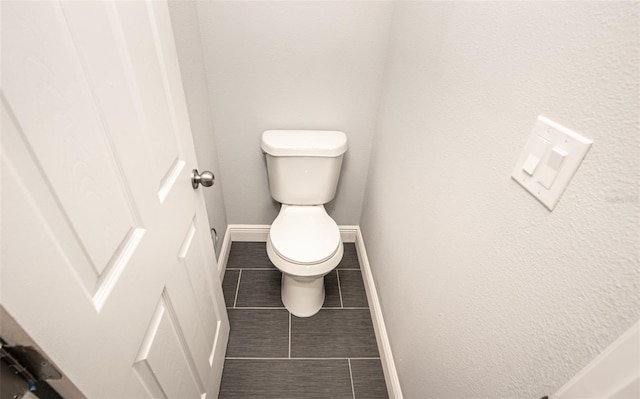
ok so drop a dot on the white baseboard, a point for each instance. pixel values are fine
(249, 232)
(259, 233)
(239, 232)
(384, 347)
(348, 233)
(223, 257)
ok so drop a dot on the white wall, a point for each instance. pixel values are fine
(485, 293)
(188, 44)
(292, 65)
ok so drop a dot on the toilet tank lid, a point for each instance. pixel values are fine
(310, 143)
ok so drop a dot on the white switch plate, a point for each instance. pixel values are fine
(564, 140)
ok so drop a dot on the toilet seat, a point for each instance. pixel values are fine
(304, 235)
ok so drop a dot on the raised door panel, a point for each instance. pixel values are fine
(162, 363)
(61, 127)
(207, 321)
(151, 76)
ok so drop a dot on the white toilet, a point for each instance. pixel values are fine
(304, 242)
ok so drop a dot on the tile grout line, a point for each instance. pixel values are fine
(282, 307)
(235, 300)
(300, 358)
(289, 335)
(353, 391)
(255, 269)
(339, 289)
(275, 269)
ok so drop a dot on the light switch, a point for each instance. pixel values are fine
(538, 150)
(549, 160)
(531, 164)
(550, 169)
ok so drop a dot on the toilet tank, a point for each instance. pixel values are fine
(303, 165)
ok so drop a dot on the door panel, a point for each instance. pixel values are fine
(55, 112)
(161, 363)
(107, 260)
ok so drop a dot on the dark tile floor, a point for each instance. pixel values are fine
(273, 354)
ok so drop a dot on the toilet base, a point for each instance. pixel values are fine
(302, 296)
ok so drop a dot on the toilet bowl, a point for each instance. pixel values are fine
(304, 244)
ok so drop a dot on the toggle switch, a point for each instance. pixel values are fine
(538, 150)
(531, 164)
(549, 171)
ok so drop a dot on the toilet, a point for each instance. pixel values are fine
(303, 168)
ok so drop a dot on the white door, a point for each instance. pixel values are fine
(107, 262)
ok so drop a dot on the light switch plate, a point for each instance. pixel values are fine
(561, 141)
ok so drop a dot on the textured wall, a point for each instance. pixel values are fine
(485, 293)
(292, 65)
(188, 44)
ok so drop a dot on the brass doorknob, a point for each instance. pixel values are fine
(205, 178)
